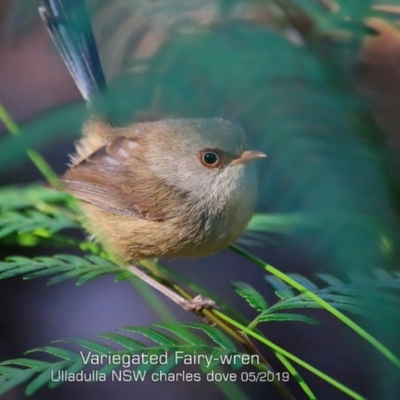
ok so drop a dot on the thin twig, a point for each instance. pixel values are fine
(183, 298)
(175, 297)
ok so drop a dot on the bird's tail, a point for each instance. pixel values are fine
(69, 26)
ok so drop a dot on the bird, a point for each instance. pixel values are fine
(171, 188)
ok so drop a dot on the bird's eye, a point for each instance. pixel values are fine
(209, 159)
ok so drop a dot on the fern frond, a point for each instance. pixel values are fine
(362, 295)
(279, 223)
(33, 211)
(32, 221)
(62, 266)
(265, 317)
(251, 295)
(120, 351)
(32, 196)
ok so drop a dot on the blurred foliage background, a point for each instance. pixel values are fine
(315, 84)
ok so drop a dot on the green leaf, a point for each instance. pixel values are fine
(123, 276)
(26, 362)
(72, 361)
(215, 334)
(39, 223)
(43, 378)
(69, 259)
(9, 371)
(88, 344)
(282, 290)
(329, 279)
(17, 271)
(304, 281)
(124, 341)
(100, 261)
(165, 368)
(62, 266)
(252, 296)
(74, 368)
(16, 380)
(19, 197)
(287, 317)
(152, 334)
(46, 272)
(182, 333)
(293, 303)
(93, 275)
(280, 223)
(67, 275)
(57, 352)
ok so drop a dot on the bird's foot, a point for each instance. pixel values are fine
(197, 303)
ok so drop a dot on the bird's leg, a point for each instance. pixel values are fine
(196, 304)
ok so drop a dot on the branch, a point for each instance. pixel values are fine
(188, 302)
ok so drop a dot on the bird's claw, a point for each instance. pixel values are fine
(198, 303)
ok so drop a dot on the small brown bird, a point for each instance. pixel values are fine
(172, 188)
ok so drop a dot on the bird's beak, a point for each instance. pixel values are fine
(249, 155)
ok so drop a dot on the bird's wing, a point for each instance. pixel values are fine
(115, 179)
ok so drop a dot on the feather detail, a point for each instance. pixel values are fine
(115, 179)
(69, 27)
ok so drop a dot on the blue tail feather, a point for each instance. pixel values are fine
(69, 26)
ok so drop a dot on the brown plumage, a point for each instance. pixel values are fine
(172, 188)
(146, 191)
